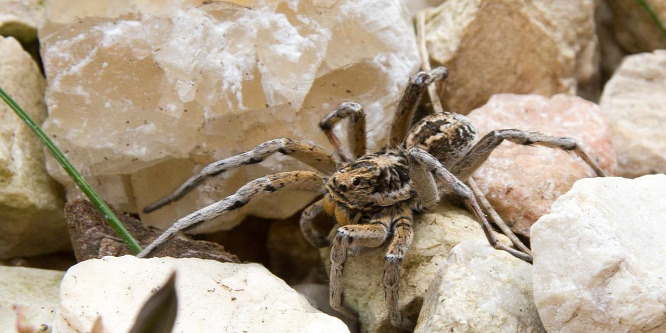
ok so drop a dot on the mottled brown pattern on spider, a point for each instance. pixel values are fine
(372, 197)
(446, 136)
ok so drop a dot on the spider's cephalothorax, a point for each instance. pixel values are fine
(372, 197)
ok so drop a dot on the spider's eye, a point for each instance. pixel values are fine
(356, 182)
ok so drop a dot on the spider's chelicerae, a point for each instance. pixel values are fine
(373, 197)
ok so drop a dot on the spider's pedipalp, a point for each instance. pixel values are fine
(410, 101)
(302, 151)
(311, 235)
(355, 129)
(476, 156)
(294, 180)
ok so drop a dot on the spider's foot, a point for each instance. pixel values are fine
(345, 312)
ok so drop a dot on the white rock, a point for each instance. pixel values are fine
(633, 101)
(435, 234)
(212, 297)
(141, 94)
(35, 291)
(600, 262)
(31, 203)
(542, 47)
(480, 289)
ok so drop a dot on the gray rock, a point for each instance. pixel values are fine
(599, 257)
(633, 101)
(480, 289)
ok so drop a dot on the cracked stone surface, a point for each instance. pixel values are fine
(142, 95)
(598, 257)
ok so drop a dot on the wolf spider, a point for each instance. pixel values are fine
(372, 197)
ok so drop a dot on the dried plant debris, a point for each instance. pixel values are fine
(92, 237)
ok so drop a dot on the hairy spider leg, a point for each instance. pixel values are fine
(410, 101)
(355, 129)
(476, 156)
(294, 180)
(461, 190)
(302, 151)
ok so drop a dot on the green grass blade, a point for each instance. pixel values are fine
(653, 16)
(115, 224)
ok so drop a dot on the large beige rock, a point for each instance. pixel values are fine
(522, 182)
(633, 101)
(19, 18)
(31, 218)
(212, 297)
(34, 293)
(634, 29)
(599, 257)
(142, 94)
(480, 289)
(435, 234)
(543, 47)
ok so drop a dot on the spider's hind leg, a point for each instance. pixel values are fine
(304, 152)
(410, 101)
(294, 180)
(476, 156)
(459, 188)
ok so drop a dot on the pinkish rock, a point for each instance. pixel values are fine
(522, 182)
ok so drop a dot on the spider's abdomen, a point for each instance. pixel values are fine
(446, 136)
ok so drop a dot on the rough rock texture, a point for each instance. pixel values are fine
(522, 182)
(317, 295)
(490, 47)
(599, 257)
(93, 238)
(141, 95)
(34, 291)
(633, 101)
(634, 29)
(212, 297)
(31, 220)
(19, 18)
(480, 289)
(435, 234)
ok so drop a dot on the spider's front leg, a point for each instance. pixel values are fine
(348, 240)
(294, 180)
(465, 193)
(476, 156)
(403, 235)
(302, 151)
